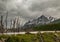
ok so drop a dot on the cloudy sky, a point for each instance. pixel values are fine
(29, 9)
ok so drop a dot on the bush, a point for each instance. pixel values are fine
(10, 39)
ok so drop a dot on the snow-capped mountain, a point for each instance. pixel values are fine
(40, 20)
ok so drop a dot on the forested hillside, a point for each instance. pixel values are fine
(48, 27)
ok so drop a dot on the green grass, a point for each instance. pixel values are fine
(47, 37)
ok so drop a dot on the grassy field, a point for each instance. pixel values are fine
(40, 37)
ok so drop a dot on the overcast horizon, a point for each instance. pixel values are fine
(29, 9)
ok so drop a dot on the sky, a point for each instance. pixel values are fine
(29, 9)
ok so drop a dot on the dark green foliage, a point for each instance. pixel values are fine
(9, 39)
(47, 27)
(12, 38)
(22, 40)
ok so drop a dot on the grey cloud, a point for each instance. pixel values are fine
(44, 5)
(2, 7)
(37, 7)
(29, 9)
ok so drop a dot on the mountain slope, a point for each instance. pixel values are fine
(39, 21)
(56, 21)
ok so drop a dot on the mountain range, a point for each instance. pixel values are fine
(42, 20)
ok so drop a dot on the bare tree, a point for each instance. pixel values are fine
(14, 25)
(11, 25)
(2, 26)
(18, 25)
(6, 20)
